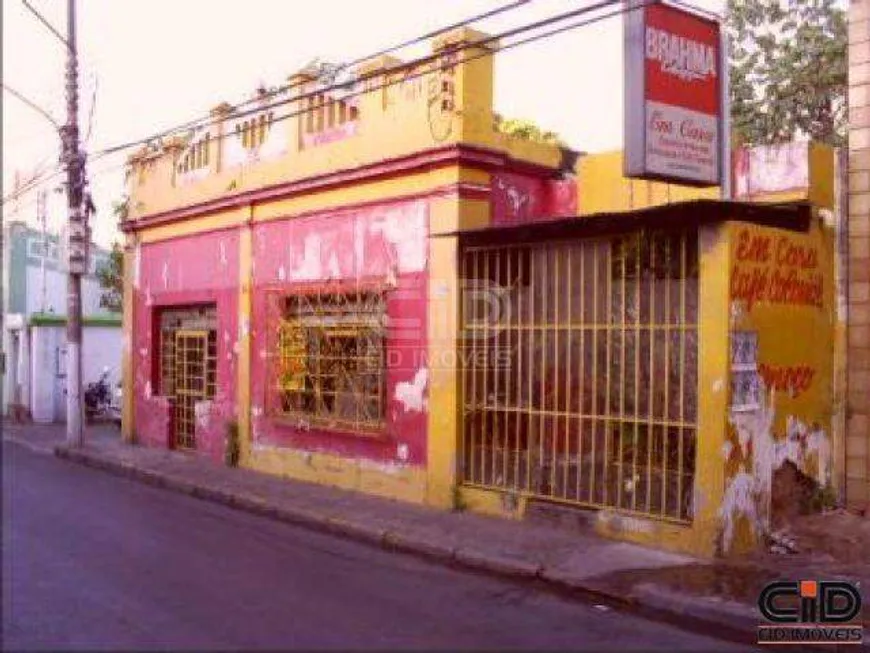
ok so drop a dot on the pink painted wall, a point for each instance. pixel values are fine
(386, 246)
(201, 269)
(518, 198)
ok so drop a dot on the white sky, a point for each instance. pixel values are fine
(163, 62)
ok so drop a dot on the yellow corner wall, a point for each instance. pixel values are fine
(602, 187)
(791, 420)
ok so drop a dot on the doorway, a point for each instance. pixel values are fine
(188, 367)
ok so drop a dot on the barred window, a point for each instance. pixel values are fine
(330, 368)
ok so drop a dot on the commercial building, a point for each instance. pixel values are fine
(378, 289)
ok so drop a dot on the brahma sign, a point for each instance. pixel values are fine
(673, 95)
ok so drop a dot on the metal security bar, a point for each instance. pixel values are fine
(171, 320)
(330, 364)
(167, 361)
(580, 371)
(190, 383)
(187, 366)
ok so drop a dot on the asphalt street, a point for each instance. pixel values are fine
(93, 561)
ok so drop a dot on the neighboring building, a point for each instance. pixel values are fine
(35, 283)
(858, 410)
(387, 294)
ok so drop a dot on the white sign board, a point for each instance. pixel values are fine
(673, 105)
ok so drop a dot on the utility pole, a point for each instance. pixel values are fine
(77, 250)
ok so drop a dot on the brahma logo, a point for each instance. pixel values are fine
(679, 56)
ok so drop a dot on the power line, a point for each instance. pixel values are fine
(42, 20)
(91, 110)
(362, 78)
(509, 46)
(44, 177)
(107, 151)
(45, 114)
(405, 65)
(427, 58)
(206, 120)
(44, 180)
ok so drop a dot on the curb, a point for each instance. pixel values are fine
(45, 450)
(663, 607)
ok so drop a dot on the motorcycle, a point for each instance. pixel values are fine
(98, 397)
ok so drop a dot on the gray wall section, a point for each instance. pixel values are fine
(17, 287)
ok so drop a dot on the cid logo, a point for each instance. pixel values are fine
(820, 602)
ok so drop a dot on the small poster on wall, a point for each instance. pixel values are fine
(745, 380)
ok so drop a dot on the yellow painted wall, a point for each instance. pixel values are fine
(391, 98)
(602, 188)
(792, 417)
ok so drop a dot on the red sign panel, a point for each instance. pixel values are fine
(673, 95)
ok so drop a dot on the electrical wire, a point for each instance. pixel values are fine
(91, 110)
(422, 73)
(207, 120)
(508, 33)
(362, 78)
(45, 177)
(190, 124)
(45, 114)
(45, 22)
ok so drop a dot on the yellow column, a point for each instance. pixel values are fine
(128, 426)
(445, 417)
(713, 384)
(243, 379)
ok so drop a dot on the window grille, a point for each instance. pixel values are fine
(330, 368)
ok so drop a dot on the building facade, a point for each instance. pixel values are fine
(379, 290)
(34, 334)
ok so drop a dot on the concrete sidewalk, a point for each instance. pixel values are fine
(695, 594)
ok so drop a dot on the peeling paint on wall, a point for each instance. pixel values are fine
(182, 272)
(412, 395)
(758, 453)
(520, 198)
(137, 260)
(309, 269)
(384, 246)
(334, 272)
(405, 229)
(202, 412)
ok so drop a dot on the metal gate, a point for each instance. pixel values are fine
(580, 371)
(190, 383)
